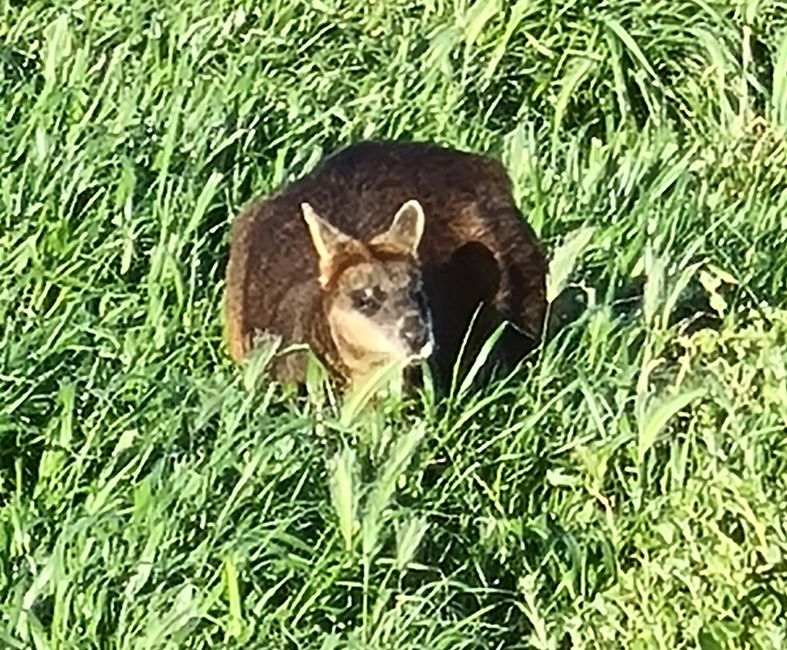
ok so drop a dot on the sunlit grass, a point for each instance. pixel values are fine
(625, 490)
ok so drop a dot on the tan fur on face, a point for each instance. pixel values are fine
(366, 340)
(358, 339)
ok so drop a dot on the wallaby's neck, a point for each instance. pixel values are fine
(320, 333)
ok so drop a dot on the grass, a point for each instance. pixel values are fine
(628, 490)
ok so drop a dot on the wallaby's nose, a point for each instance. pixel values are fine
(414, 332)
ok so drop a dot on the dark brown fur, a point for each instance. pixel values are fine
(476, 247)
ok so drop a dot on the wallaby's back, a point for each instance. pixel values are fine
(476, 246)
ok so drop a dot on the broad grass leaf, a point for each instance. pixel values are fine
(653, 292)
(779, 98)
(235, 625)
(408, 539)
(481, 358)
(652, 419)
(568, 87)
(438, 57)
(358, 398)
(380, 497)
(628, 40)
(57, 49)
(565, 258)
(266, 348)
(477, 16)
(203, 201)
(518, 11)
(343, 474)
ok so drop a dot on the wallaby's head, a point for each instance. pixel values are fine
(372, 291)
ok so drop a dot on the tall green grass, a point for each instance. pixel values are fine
(627, 490)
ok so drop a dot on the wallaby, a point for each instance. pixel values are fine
(385, 252)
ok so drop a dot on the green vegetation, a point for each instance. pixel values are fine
(627, 490)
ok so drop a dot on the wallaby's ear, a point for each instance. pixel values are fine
(329, 241)
(406, 229)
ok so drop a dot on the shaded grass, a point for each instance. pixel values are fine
(150, 500)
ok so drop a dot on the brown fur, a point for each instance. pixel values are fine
(476, 247)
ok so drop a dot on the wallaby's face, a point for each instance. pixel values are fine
(377, 309)
(373, 294)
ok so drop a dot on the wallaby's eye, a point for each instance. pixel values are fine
(366, 301)
(379, 295)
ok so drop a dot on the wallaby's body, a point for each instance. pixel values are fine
(299, 259)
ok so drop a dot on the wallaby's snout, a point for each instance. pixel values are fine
(416, 333)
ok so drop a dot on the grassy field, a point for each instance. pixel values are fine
(628, 489)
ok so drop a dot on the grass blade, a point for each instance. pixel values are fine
(653, 418)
